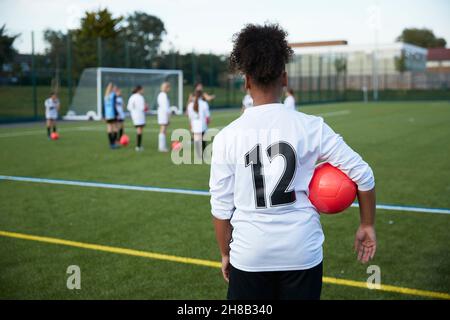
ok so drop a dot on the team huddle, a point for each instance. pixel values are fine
(114, 114)
(197, 111)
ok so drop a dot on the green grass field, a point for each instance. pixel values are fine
(16, 102)
(407, 145)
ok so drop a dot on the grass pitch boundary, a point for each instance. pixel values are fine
(212, 264)
(102, 128)
(192, 192)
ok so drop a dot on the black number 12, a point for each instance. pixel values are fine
(280, 195)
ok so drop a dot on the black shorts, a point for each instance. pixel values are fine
(139, 126)
(275, 285)
(110, 121)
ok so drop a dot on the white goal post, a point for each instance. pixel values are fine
(87, 102)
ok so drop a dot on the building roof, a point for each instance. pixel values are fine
(368, 48)
(438, 54)
(318, 43)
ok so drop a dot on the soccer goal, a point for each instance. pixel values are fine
(87, 103)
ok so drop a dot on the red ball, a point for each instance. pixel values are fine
(54, 136)
(124, 140)
(176, 145)
(330, 190)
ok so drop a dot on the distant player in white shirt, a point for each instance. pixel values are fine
(52, 106)
(289, 102)
(206, 97)
(247, 102)
(268, 232)
(137, 107)
(198, 113)
(163, 115)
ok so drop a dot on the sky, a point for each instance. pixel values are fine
(208, 25)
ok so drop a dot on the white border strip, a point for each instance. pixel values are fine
(192, 192)
(105, 185)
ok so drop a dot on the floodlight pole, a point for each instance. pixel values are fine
(180, 92)
(375, 68)
(69, 65)
(33, 76)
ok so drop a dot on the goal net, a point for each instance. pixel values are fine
(87, 103)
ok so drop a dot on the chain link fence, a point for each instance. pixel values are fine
(27, 80)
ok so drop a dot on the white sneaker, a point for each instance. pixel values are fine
(139, 149)
(163, 150)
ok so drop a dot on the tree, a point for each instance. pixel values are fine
(98, 33)
(424, 38)
(56, 51)
(143, 35)
(400, 63)
(7, 50)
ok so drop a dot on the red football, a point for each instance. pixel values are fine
(330, 190)
(124, 140)
(176, 145)
(54, 136)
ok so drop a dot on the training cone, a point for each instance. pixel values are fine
(54, 136)
(124, 140)
(330, 190)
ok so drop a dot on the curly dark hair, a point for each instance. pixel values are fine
(261, 52)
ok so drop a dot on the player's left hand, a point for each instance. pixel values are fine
(365, 243)
(226, 268)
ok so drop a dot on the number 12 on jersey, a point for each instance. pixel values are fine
(280, 196)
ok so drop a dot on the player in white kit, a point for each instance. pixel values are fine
(247, 101)
(137, 107)
(268, 232)
(163, 115)
(198, 113)
(289, 102)
(52, 106)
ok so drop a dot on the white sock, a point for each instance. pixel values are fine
(162, 142)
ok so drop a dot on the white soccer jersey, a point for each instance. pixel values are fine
(136, 106)
(51, 108)
(199, 120)
(119, 108)
(163, 108)
(262, 164)
(289, 102)
(247, 102)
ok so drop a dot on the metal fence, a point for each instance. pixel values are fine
(26, 81)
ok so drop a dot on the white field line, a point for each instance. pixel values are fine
(192, 192)
(334, 113)
(102, 128)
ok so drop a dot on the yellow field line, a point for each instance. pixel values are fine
(214, 264)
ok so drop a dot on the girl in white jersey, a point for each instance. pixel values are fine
(198, 113)
(51, 112)
(163, 115)
(289, 102)
(269, 233)
(137, 107)
(247, 101)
